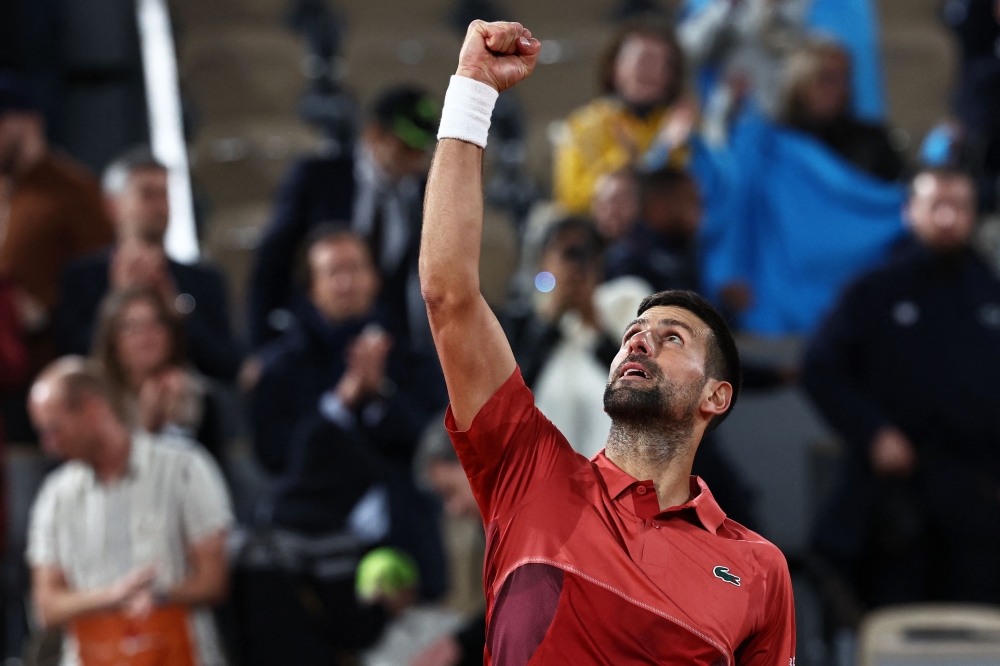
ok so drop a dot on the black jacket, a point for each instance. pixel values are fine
(210, 342)
(915, 344)
(308, 360)
(662, 261)
(315, 191)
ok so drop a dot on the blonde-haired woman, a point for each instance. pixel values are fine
(816, 98)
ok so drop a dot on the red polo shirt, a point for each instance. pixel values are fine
(583, 568)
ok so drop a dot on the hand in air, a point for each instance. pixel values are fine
(498, 54)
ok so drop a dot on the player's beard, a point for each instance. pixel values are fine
(652, 423)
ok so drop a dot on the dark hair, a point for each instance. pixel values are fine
(723, 360)
(409, 113)
(653, 30)
(943, 172)
(593, 244)
(662, 181)
(133, 159)
(112, 308)
(328, 232)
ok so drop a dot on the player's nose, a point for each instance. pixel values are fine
(641, 343)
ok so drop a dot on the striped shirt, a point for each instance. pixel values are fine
(171, 497)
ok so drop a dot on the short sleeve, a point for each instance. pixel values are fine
(42, 546)
(205, 506)
(510, 449)
(773, 643)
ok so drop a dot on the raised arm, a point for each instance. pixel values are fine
(473, 349)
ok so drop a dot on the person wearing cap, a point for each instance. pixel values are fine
(378, 190)
(56, 213)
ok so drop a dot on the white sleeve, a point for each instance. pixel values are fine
(42, 547)
(205, 505)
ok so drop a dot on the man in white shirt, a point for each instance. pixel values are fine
(131, 525)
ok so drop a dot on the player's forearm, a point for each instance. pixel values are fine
(453, 226)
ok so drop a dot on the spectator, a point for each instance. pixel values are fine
(140, 344)
(379, 190)
(338, 361)
(662, 247)
(977, 101)
(296, 601)
(135, 187)
(340, 353)
(902, 369)
(615, 206)
(559, 343)
(55, 214)
(438, 468)
(127, 539)
(816, 99)
(642, 78)
(744, 43)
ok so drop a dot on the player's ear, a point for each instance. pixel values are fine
(717, 397)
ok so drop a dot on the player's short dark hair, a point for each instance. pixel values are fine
(125, 164)
(723, 360)
(943, 172)
(410, 113)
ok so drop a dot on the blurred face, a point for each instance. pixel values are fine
(142, 340)
(576, 270)
(942, 211)
(615, 205)
(643, 70)
(675, 212)
(394, 156)
(142, 210)
(452, 486)
(828, 94)
(659, 375)
(344, 282)
(65, 432)
(16, 131)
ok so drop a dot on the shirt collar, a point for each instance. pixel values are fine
(138, 459)
(709, 513)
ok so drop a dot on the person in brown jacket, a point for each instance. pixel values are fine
(56, 213)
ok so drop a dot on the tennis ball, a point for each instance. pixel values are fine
(385, 572)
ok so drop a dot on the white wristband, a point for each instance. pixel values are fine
(468, 106)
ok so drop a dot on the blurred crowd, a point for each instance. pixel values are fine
(740, 151)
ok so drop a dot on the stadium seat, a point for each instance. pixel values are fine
(930, 635)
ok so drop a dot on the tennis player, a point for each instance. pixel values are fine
(625, 558)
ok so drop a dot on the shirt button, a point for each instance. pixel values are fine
(641, 490)
(656, 524)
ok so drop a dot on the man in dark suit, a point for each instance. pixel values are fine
(135, 187)
(339, 362)
(378, 191)
(904, 368)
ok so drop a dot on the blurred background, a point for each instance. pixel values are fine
(219, 203)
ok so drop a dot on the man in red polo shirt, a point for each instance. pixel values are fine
(625, 558)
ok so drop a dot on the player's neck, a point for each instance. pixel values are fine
(662, 456)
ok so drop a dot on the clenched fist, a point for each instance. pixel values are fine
(498, 54)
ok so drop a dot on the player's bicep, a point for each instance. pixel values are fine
(475, 356)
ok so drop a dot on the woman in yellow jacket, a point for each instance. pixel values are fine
(643, 78)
